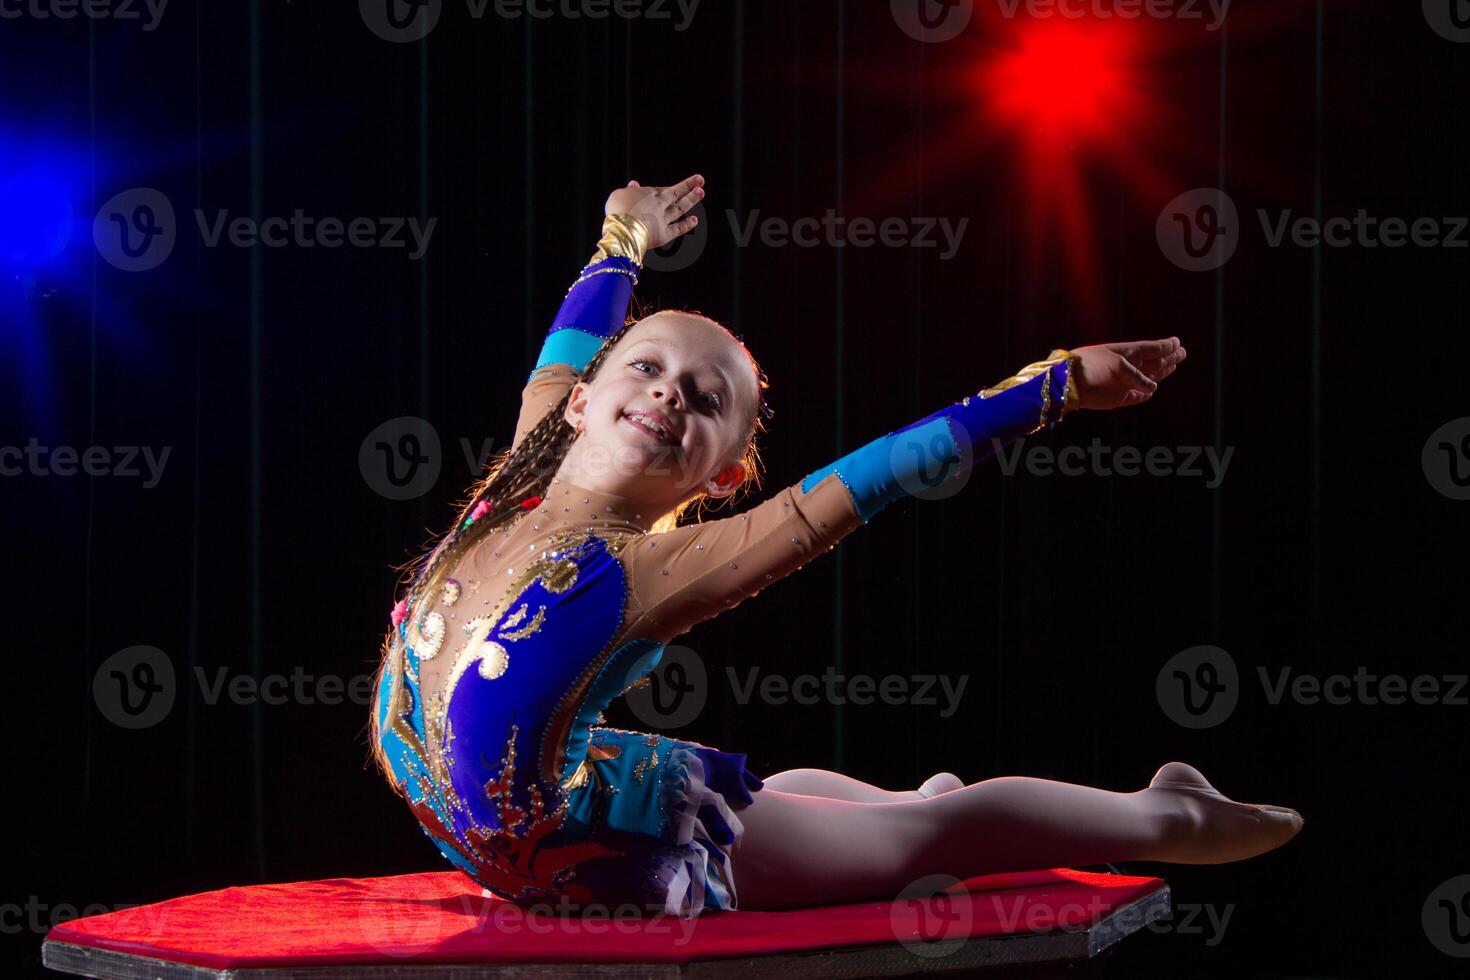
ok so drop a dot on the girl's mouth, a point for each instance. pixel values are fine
(652, 427)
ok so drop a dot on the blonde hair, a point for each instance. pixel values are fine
(511, 477)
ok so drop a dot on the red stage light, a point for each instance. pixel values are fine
(1064, 81)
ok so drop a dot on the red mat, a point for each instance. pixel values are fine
(441, 917)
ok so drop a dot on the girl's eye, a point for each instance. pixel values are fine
(710, 398)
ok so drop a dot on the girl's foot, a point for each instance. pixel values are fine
(1206, 827)
(940, 782)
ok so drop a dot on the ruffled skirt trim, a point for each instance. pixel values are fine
(695, 872)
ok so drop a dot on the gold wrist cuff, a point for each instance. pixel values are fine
(1070, 396)
(622, 235)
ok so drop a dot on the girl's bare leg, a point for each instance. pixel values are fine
(804, 850)
(836, 786)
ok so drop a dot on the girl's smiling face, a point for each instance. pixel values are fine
(670, 410)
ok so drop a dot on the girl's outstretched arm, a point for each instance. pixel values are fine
(692, 573)
(637, 219)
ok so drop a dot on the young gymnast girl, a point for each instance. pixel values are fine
(566, 572)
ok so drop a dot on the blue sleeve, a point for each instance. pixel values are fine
(594, 309)
(943, 445)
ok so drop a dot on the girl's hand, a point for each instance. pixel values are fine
(1118, 375)
(661, 209)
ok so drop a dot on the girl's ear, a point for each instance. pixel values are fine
(727, 481)
(576, 412)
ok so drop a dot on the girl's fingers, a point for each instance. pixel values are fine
(1142, 350)
(686, 202)
(684, 187)
(1138, 378)
(1161, 367)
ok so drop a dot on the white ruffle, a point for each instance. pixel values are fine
(695, 867)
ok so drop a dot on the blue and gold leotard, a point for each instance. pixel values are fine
(490, 704)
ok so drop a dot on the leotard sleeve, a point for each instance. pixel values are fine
(594, 309)
(687, 575)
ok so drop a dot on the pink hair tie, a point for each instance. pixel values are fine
(399, 611)
(481, 509)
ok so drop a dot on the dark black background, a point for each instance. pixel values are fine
(264, 549)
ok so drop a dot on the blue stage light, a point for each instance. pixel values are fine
(36, 219)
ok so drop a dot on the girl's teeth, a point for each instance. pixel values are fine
(651, 424)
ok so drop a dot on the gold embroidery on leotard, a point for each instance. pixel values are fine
(646, 766)
(530, 629)
(515, 618)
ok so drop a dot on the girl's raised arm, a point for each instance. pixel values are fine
(596, 306)
(689, 574)
(593, 310)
